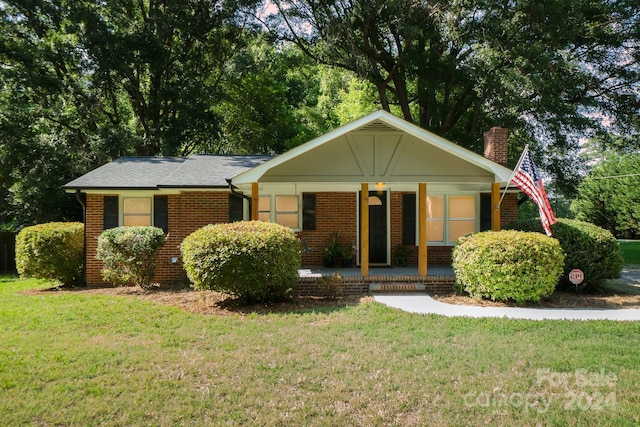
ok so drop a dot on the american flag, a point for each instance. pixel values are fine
(527, 178)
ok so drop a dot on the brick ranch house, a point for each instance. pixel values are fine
(380, 182)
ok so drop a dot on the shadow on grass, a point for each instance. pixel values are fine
(619, 287)
(295, 305)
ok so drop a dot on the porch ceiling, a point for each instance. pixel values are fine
(377, 148)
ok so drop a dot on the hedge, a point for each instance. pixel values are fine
(586, 246)
(508, 265)
(129, 254)
(53, 251)
(255, 261)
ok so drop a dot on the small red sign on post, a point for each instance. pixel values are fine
(576, 276)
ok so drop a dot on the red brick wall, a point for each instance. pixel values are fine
(335, 212)
(93, 229)
(436, 255)
(187, 212)
(509, 209)
(496, 145)
(395, 226)
(338, 212)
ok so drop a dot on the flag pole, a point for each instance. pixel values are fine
(515, 170)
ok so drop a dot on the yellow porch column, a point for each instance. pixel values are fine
(495, 209)
(364, 229)
(422, 229)
(255, 201)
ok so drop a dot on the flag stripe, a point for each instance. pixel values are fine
(529, 181)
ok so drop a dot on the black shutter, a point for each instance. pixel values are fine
(485, 212)
(161, 212)
(308, 211)
(236, 208)
(110, 217)
(409, 219)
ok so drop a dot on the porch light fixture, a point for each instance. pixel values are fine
(375, 201)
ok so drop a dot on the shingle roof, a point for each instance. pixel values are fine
(198, 171)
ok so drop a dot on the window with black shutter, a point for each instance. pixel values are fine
(408, 219)
(308, 211)
(161, 212)
(110, 212)
(236, 208)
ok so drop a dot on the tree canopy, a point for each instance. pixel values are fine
(86, 81)
(549, 70)
(608, 196)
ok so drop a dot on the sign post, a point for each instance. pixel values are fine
(576, 276)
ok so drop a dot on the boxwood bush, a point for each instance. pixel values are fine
(508, 265)
(129, 254)
(256, 261)
(587, 247)
(53, 251)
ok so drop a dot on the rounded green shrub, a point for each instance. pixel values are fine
(53, 251)
(129, 254)
(508, 265)
(256, 261)
(586, 246)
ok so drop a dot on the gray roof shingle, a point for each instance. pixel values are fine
(198, 171)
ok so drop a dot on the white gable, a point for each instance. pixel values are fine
(378, 147)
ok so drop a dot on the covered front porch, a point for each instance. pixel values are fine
(380, 186)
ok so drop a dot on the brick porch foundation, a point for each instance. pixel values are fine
(358, 285)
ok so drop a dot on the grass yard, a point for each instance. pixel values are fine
(77, 359)
(630, 252)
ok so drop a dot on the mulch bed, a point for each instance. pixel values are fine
(210, 302)
(216, 303)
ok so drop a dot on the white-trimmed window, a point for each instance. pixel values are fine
(281, 209)
(462, 216)
(450, 217)
(132, 210)
(136, 211)
(264, 208)
(287, 211)
(435, 219)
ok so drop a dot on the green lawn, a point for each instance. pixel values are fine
(75, 359)
(630, 252)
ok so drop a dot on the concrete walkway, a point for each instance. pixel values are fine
(424, 304)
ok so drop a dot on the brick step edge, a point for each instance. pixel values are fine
(396, 287)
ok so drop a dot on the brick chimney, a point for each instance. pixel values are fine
(496, 146)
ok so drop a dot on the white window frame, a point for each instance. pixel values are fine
(474, 219)
(446, 234)
(262, 212)
(122, 212)
(273, 213)
(444, 220)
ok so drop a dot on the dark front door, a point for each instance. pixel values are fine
(377, 228)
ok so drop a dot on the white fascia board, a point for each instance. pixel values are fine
(324, 187)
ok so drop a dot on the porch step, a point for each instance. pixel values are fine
(396, 287)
